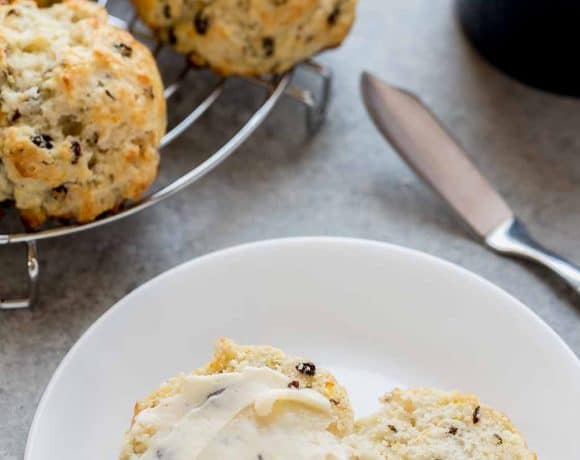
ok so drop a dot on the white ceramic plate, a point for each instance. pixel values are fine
(376, 314)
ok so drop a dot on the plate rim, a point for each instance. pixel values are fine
(513, 302)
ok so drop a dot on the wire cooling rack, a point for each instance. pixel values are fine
(275, 88)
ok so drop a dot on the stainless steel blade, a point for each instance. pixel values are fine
(430, 150)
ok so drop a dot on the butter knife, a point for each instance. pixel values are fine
(422, 141)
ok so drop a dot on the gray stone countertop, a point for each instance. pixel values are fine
(344, 181)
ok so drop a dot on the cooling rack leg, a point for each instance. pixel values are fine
(33, 269)
(316, 113)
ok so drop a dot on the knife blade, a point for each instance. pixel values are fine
(433, 153)
(423, 142)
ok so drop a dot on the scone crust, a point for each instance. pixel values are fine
(82, 112)
(425, 423)
(231, 357)
(249, 38)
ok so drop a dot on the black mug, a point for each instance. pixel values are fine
(534, 41)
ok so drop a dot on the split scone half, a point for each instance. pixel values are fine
(249, 402)
(429, 424)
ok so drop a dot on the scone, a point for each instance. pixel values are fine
(249, 402)
(249, 37)
(81, 112)
(427, 424)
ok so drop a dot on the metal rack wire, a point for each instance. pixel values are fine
(275, 87)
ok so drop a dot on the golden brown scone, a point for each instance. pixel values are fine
(427, 424)
(249, 37)
(81, 112)
(230, 357)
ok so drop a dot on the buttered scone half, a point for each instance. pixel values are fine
(82, 112)
(249, 37)
(427, 424)
(248, 403)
